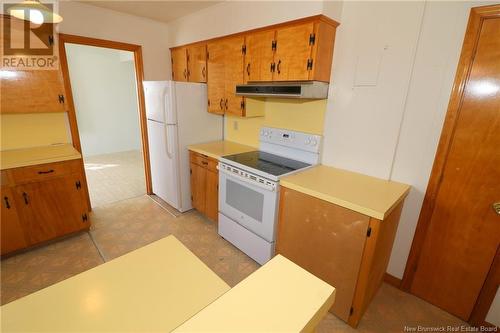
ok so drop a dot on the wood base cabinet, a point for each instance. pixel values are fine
(42, 202)
(204, 185)
(347, 249)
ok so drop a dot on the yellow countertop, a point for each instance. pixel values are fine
(364, 194)
(218, 149)
(17, 158)
(153, 289)
(279, 297)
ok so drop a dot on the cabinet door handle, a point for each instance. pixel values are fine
(203, 71)
(185, 73)
(7, 204)
(248, 69)
(45, 172)
(220, 103)
(26, 198)
(278, 67)
(204, 162)
(225, 104)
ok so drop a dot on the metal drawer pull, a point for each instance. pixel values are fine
(7, 204)
(204, 162)
(248, 69)
(45, 172)
(496, 207)
(203, 71)
(25, 196)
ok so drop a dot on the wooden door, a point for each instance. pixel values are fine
(51, 208)
(12, 235)
(212, 195)
(293, 51)
(198, 187)
(179, 64)
(234, 62)
(463, 231)
(32, 91)
(216, 80)
(197, 63)
(259, 56)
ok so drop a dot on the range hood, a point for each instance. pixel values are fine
(300, 89)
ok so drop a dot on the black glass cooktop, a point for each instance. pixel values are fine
(265, 162)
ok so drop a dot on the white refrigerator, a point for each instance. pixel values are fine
(177, 117)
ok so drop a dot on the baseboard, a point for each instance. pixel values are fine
(392, 280)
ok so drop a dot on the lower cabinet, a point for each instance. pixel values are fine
(204, 185)
(347, 249)
(43, 202)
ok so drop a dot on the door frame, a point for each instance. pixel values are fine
(476, 18)
(139, 77)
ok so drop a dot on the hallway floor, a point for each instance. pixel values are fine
(123, 226)
(115, 177)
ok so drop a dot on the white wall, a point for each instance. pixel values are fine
(105, 96)
(90, 21)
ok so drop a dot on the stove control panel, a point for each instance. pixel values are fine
(293, 139)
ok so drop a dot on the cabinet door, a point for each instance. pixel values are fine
(197, 63)
(12, 236)
(293, 52)
(179, 64)
(52, 208)
(216, 80)
(234, 62)
(259, 56)
(212, 195)
(198, 187)
(32, 91)
(330, 245)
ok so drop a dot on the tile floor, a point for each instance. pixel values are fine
(114, 177)
(127, 225)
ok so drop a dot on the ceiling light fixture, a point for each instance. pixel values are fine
(37, 12)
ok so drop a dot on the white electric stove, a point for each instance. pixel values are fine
(249, 188)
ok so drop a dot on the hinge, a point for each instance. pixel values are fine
(369, 232)
(242, 105)
(312, 39)
(274, 44)
(78, 185)
(84, 217)
(244, 49)
(309, 64)
(209, 102)
(51, 40)
(273, 67)
(61, 99)
(190, 171)
(351, 311)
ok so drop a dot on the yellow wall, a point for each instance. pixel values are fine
(32, 130)
(300, 115)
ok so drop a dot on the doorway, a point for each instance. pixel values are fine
(106, 116)
(458, 234)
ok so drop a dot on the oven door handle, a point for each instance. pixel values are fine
(246, 180)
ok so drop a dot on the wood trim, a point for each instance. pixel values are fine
(392, 280)
(139, 75)
(477, 16)
(487, 294)
(320, 17)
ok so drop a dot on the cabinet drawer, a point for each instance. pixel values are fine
(212, 164)
(198, 159)
(45, 171)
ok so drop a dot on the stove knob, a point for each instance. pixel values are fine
(313, 142)
(308, 141)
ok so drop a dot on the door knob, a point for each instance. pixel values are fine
(496, 207)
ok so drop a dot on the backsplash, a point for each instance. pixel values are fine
(300, 115)
(33, 129)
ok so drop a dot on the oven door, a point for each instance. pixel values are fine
(251, 205)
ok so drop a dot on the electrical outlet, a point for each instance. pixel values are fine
(235, 125)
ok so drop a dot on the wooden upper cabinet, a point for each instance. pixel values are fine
(233, 75)
(32, 91)
(197, 63)
(259, 56)
(216, 77)
(179, 64)
(293, 52)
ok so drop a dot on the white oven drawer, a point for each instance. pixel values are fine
(255, 247)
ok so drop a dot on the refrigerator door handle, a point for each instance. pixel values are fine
(169, 155)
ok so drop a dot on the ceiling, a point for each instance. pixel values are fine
(163, 11)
